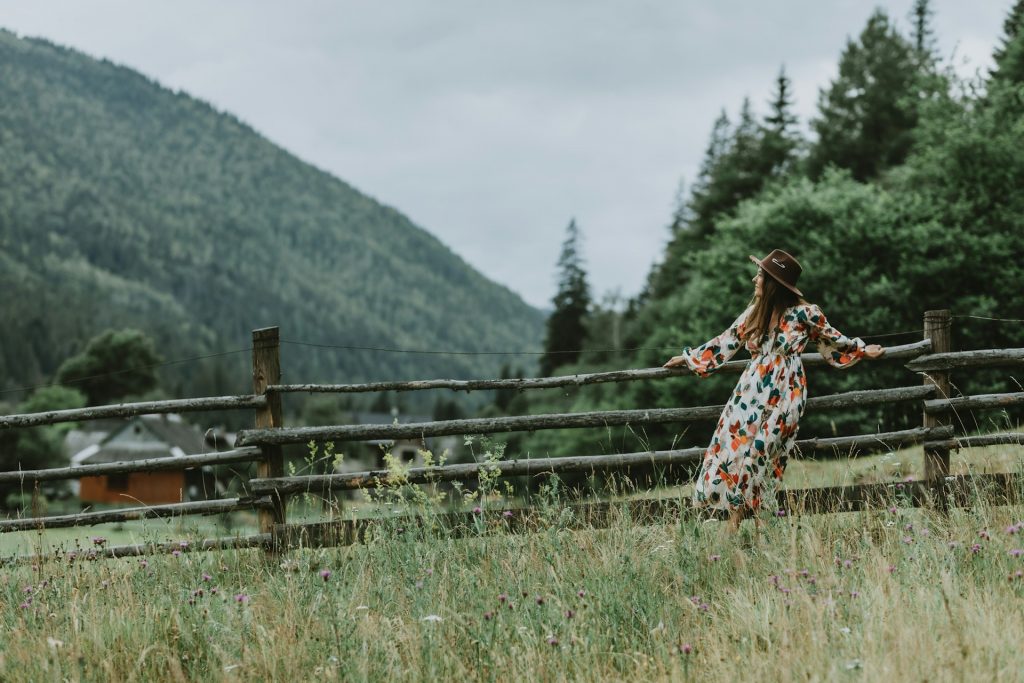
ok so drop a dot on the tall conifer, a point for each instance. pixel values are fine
(868, 113)
(566, 328)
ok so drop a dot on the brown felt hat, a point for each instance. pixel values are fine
(781, 266)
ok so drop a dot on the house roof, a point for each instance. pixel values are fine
(169, 436)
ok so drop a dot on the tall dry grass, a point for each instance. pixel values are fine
(899, 594)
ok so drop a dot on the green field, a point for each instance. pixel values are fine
(898, 593)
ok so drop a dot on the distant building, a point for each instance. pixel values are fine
(142, 438)
(408, 451)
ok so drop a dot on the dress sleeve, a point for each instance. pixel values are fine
(712, 354)
(837, 349)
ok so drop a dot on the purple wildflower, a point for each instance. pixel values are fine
(569, 614)
(1017, 552)
(552, 641)
(976, 548)
(242, 598)
(99, 541)
(325, 574)
(207, 578)
(714, 558)
(502, 597)
(506, 513)
(176, 553)
(686, 648)
(540, 600)
(477, 510)
(580, 593)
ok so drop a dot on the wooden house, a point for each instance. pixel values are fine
(142, 438)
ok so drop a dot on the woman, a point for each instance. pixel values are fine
(747, 456)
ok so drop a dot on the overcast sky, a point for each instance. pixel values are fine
(492, 124)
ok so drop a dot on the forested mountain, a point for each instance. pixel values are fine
(125, 204)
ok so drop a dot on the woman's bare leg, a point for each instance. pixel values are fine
(735, 517)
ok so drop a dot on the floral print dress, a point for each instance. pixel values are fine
(746, 459)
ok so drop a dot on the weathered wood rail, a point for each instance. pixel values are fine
(268, 492)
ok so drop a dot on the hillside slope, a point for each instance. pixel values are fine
(123, 203)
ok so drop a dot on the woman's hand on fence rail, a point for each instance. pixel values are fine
(874, 351)
(675, 362)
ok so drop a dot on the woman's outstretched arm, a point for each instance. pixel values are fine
(837, 349)
(714, 353)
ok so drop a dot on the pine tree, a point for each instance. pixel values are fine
(704, 202)
(1009, 56)
(566, 328)
(868, 113)
(780, 140)
(922, 36)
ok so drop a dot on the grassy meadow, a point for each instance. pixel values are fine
(898, 593)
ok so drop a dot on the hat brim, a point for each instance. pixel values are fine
(784, 284)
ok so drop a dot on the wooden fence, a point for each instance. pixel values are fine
(269, 491)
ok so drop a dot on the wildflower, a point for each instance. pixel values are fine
(804, 573)
(892, 568)
(213, 591)
(1019, 573)
(908, 527)
(976, 548)
(99, 541)
(569, 614)
(1017, 552)
(778, 513)
(854, 594)
(580, 593)
(686, 648)
(695, 599)
(552, 641)
(506, 514)
(176, 553)
(104, 584)
(502, 598)
(325, 574)
(847, 564)
(26, 604)
(143, 564)
(432, 618)
(892, 509)
(242, 598)
(908, 540)
(26, 589)
(785, 591)
(954, 544)
(812, 580)
(984, 534)
(183, 544)
(714, 558)
(924, 532)
(1012, 529)
(207, 578)
(540, 600)
(477, 510)
(488, 615)
(704, 607)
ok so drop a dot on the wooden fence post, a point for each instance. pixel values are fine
(266, 370)
(937, 326)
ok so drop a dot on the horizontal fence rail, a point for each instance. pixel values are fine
(523, 423)
(579, 463)
(181, 462)
(202, 507)
(900, 352)
(967, 359)
(976, 402)
(132, 409)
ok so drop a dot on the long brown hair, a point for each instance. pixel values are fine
(768, 307)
